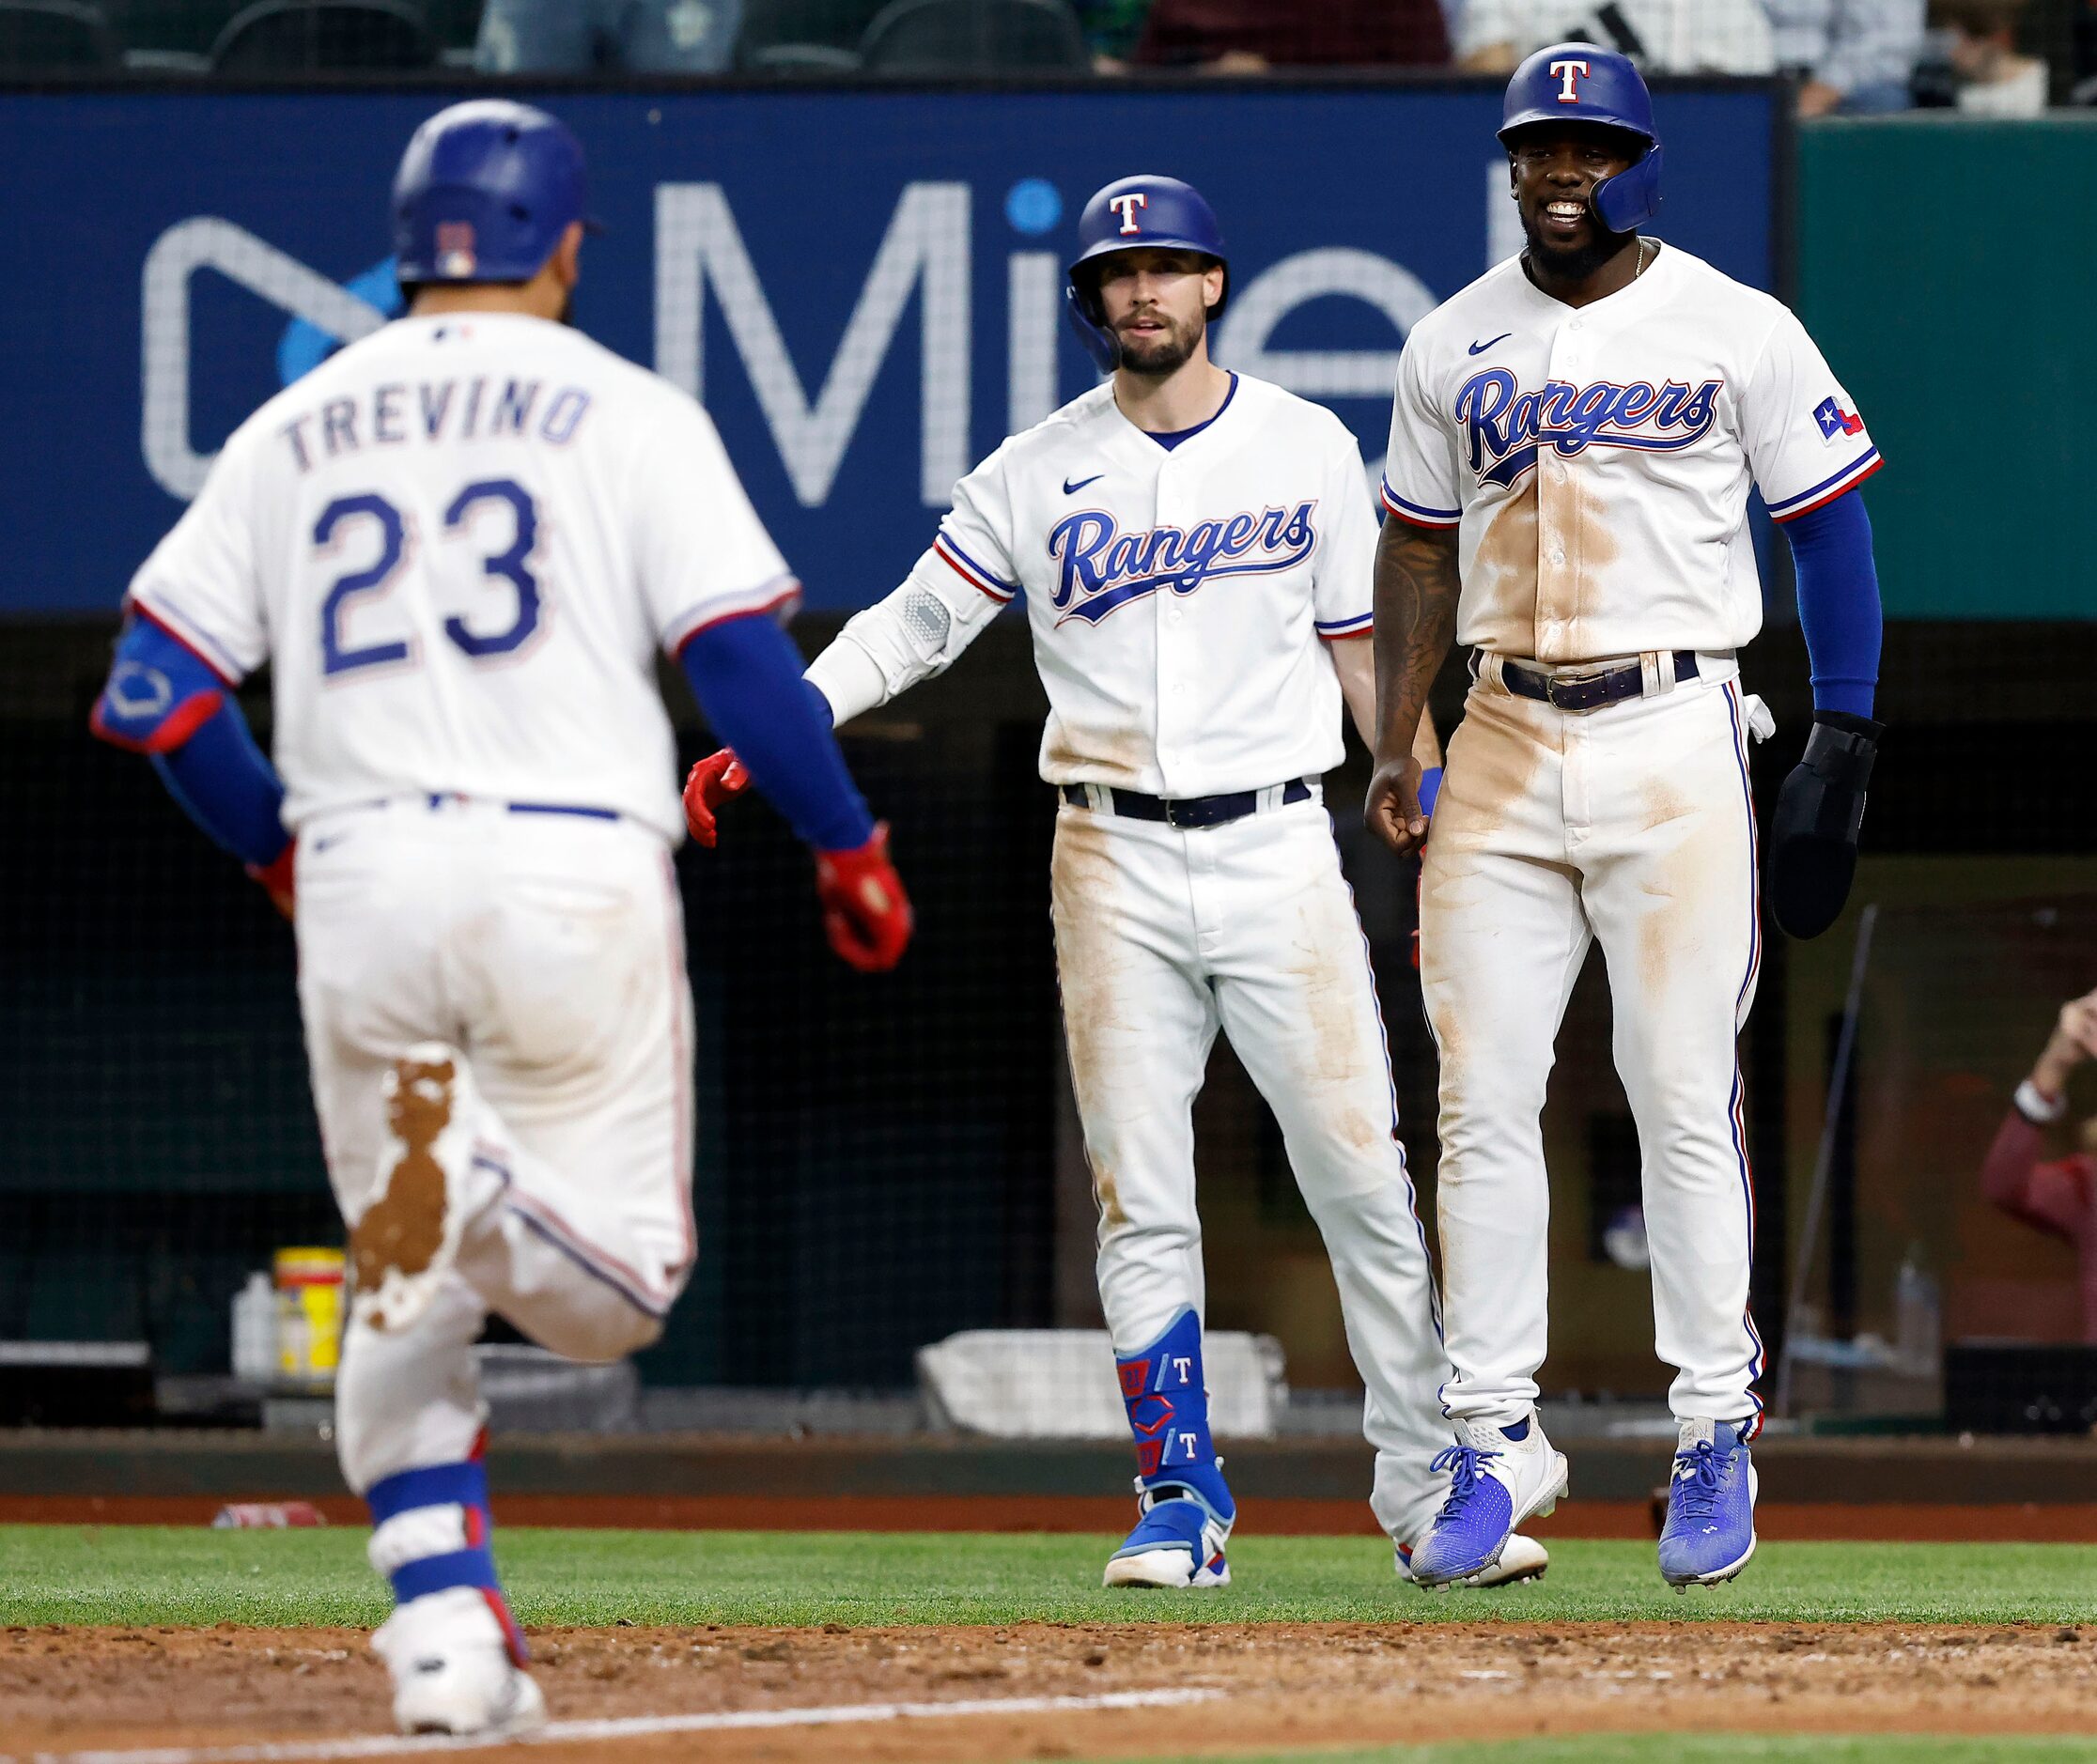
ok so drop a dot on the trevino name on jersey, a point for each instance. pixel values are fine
(1597, 460)
(459, 542)
(1176, 595)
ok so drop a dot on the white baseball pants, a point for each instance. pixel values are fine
(549, 949)
(1632, 826)
(1162, 938)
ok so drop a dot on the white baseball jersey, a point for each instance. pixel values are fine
(1597, 460)
(1176, 595)
(459, 543)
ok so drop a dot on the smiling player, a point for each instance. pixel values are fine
(1195, 550)
(1571, 447)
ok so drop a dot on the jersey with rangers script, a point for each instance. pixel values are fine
(1177, 595)
(1596, 460)
(459, 544)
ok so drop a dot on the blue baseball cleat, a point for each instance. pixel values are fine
(1524, 1558)
(1710, 1532)
(1499, 1478)
(1179, 1539)
(1185, 1508)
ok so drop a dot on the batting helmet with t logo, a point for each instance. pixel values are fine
(1585, 82)
(484, 193)
(1139, 214)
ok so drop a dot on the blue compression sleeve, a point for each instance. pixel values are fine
(228, 788)
(1838, 602)
(747, 677)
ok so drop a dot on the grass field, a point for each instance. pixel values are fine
(162, 1575)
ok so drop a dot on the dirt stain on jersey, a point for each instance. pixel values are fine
(1693, 853)
(404, 1228)
(1345, 1048)
(1574, 547)
(1502, 576)
(1120, 753)
(1091, 967)
(1493, 762)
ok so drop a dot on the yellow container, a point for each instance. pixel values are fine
(309, 1315)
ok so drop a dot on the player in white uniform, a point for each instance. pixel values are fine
(1571, 447)
(459, 546)
(1195, 552)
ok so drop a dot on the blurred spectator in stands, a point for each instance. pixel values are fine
(1112, 29)
(2060, 1197)
(1978, 40)
(1248, 36)
(1661, 36)
(578, 36)
(1855, 56)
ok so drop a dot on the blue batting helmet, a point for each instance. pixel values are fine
(1583, 82)
(484, 193)
(1146, 211)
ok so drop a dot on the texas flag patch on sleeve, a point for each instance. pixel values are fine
(1834, 419)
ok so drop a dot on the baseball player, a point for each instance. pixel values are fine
(458, 545)
(1195, 549)
(1572, 446)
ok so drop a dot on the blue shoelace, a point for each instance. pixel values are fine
(1699, 1481)
(1463, 1464)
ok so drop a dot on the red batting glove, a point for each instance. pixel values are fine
(866, 915)
(276, 879)
(719, 778)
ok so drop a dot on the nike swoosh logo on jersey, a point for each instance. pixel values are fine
(1072, 490)
(1480, 349)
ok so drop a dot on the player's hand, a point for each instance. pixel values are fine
(2074, 1040)
(866, 915)
(719, 778)
(276, 879)
(1393, 806)
(1819, 817)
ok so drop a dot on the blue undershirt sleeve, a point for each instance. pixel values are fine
(1838, 602)
(746, 675)
(225, 784)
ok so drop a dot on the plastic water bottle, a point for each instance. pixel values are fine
(1917, 1314)
(254, 1326)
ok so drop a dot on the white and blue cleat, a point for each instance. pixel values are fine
(1178, 1541)
(1710, 1533)
(1524, 1558)
(1498, 1479)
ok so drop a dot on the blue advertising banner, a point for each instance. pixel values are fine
(864, 286)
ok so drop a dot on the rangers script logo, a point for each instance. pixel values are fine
(1507, 425)
(1101, 567)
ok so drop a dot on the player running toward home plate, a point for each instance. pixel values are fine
(460, 545)
(1195, 550)
(1572, 446)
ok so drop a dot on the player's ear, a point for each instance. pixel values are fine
(1212, 287)
(567, 256)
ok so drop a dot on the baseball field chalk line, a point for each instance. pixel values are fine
(622, 1728)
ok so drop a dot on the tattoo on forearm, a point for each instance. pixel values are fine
(1416, 587)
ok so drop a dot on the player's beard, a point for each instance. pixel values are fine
(1575, 263)
(1157, 357)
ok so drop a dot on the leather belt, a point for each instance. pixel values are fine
(1589, 692)
(1181, 811)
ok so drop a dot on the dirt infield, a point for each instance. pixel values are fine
(1789, 1522)
(1271, 1684)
